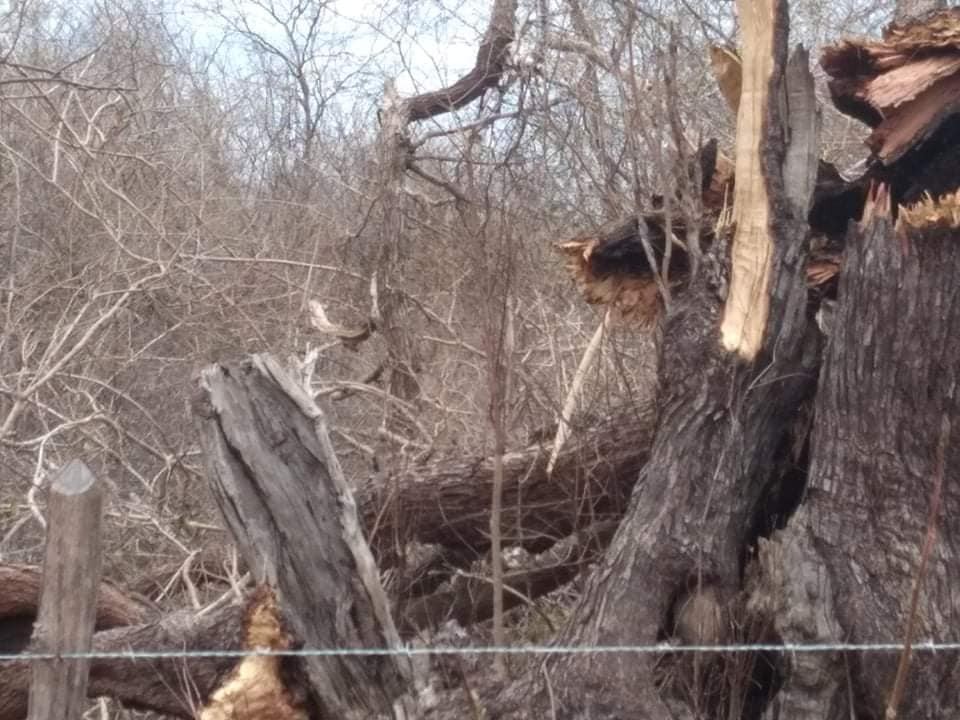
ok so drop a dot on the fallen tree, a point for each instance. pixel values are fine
(568, 516)
(799, 476)
(174, 686)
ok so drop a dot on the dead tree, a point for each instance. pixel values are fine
(396, 158)
(737, 360)
(758, 419)
(282, 494)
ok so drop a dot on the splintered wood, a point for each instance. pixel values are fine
(745, 312)
(255, 689)
(904, 86)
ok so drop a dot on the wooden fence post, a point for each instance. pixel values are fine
(68, 598)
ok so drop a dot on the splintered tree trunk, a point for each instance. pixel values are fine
(728, 401)
(283, 496)
(886, 403)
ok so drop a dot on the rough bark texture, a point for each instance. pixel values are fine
(889, 379)
(446, 502)
(471, 600)
(284, 498)
(722, 424)
(175, 686)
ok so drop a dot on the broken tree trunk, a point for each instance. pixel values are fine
(846, 567)
(287, 504)
(725, 418)
(444, 503)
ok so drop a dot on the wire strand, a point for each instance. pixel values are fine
(658, 649)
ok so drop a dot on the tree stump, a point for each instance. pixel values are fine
(284, 498)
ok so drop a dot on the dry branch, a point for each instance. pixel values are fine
(490, 64)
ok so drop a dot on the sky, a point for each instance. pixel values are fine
(422, 44)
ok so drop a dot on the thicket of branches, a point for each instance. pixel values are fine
(179, 188)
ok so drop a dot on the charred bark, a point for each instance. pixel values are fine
(723, 420)
(846, 566)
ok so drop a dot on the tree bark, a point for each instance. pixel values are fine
(907, 9)
(847, 564)
(724, 420)
(281, 491)
(446, 502)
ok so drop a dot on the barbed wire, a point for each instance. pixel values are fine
(930, 646)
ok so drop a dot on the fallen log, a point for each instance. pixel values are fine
(471, 600)
(178, 686)
(443, 503)
(20, 596)
(446, 503)
(170, 685)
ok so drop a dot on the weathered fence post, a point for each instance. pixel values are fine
(68, 599)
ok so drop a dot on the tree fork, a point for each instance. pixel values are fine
(723, 417)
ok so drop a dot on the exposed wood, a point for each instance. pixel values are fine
(845, 568)
(728, 71)
(351, 337)
(910, 125)
(68, 596)
(724, 426)
(225, 686)
(906, 87)
(747, 307)
(256, 688)
(611, 268)
(20, 600)
(284, 498)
